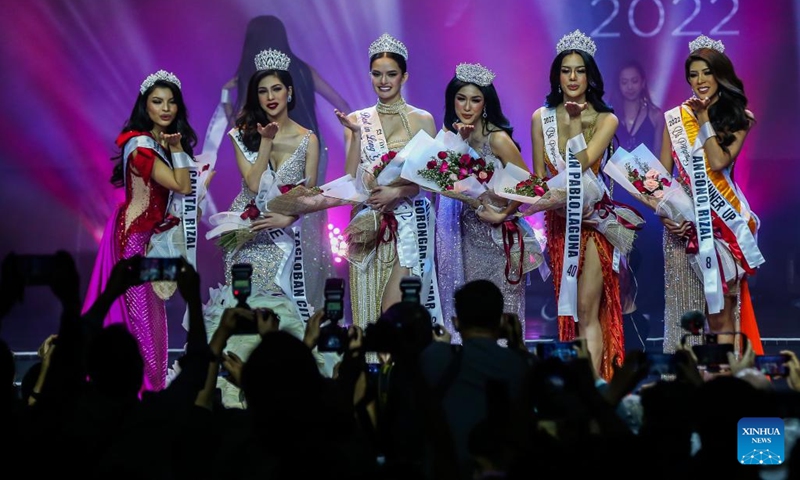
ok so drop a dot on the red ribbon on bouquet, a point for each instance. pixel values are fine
(169, 222)
(693, 245)
(510, 229)
(250, 211)
(388, 229)
(606, 206)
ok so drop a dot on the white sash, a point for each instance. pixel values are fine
(249, 155)
(145, 141)
(425, 232)
(568, 293)
(415, 219)
(693, 161)
(214, 135)
(693, 158)
(373, 140)
(290, 275)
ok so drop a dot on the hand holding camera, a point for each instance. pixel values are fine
(332, 337)
(231, 368)
(58, 271)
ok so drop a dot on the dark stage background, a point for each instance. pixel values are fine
(72, 69)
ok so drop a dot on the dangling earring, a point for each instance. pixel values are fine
(559, 89)
(484, 112)
(289, 98)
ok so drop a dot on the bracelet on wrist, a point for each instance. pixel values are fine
(577, 144)
(182, 160)
(706, 131)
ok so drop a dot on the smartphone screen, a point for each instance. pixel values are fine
(772, 365)
(36, 269)
(153, 269)
(563, 350)
(661, 363)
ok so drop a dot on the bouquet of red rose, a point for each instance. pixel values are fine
(383, 171)
(538, 194)
(233, 228)
(448, 166)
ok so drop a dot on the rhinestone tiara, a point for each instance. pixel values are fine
(387, 43)
(704, 42)
(272, 60)
(474, 73)
(159, 75)
(576, 41)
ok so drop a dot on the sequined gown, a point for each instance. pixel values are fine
(265, 258)
(480, 257)
(367, 286)
(127, 234)
(683, 289)
(610, 311)
(261, 252)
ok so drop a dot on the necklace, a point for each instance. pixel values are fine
(392, 109)
(396, 108)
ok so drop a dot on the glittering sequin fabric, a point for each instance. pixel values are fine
(459, 232)
(484, 259)
(147, 319)
(261, 252)
(683, 291)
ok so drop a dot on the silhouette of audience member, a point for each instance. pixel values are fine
(460, 375)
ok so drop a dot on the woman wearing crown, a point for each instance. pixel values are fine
(370, 133)
(467, 245)
(573, 131)
(707, 261)
(156, 148)
(268, 145)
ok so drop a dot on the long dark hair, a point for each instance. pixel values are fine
(267, 31)
(644, 94)
(728, 114)
(252, 113)
(491, 102)
(595, 90)
(140, 121)
(401, 62)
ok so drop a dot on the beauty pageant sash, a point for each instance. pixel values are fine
(568, 293)
(715, 196)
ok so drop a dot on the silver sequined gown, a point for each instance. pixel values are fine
(265, 257)
(481, 258)
(261, 252)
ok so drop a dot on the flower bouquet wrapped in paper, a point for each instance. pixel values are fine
(448, 166)
(367, 226)
(643, 176)
(538, 195)
(233, 228)
(300, 200)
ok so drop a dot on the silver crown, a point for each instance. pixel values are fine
(474, 73)
(704, 42)
(387, 43)
(272, 60)
(159, 75)
(576, 41)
